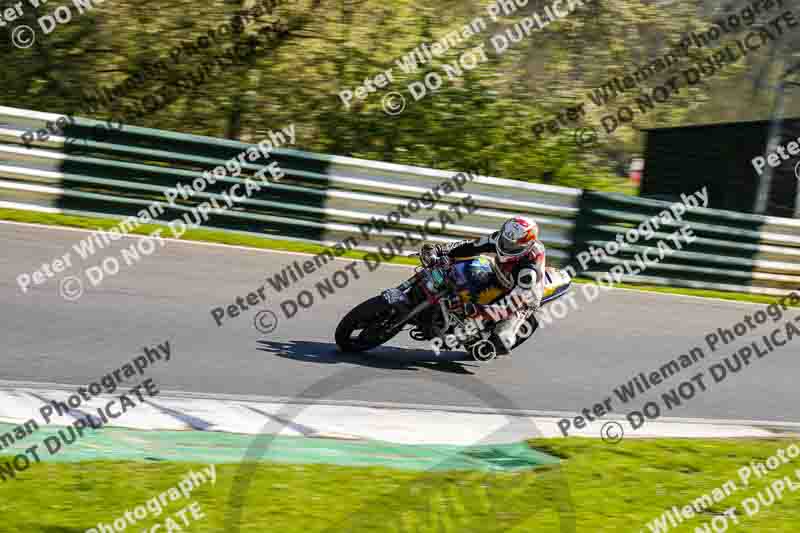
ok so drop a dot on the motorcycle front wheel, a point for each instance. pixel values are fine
(366, 325)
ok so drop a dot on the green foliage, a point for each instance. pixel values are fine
(481, 121)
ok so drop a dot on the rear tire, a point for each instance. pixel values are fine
(532, 323)
(370, 318)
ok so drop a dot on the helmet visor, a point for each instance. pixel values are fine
(509, 246)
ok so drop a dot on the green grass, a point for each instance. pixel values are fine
(610, 488)
(222, 237)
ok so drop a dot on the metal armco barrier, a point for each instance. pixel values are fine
(323, 199)
(732, 251)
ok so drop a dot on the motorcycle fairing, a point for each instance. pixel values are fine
(556, 283)
(476, 281)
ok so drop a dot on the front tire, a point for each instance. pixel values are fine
(370, 320)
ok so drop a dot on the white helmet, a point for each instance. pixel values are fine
(517, 236)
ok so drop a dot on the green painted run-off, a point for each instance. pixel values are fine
(217, 447)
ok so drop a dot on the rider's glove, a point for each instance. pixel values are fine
(429, 254)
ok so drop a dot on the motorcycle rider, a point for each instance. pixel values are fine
(519, 266)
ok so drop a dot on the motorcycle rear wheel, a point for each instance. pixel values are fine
(534, 325)
(371, 319)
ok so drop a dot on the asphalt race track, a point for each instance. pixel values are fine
(569, 365)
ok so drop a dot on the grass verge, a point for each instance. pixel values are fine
(222, 237)
(619, 487)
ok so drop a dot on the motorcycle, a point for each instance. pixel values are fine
(433, 303)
